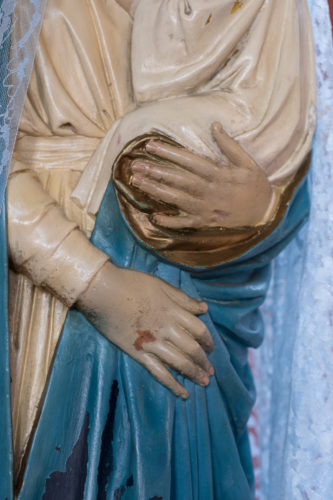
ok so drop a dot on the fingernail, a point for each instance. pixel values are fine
(204, 381)
(211, 371)
(184, 395)
(135, 180)
(211, 345)
(204, 306)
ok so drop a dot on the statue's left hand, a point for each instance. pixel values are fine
(231, 194)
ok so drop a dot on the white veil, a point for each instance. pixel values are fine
(20, 22)
(294, 367)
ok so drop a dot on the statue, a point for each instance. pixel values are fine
(201, 114)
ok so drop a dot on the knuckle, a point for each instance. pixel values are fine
(158, 177)
(187, 366)
(195, 351)
(202, 331)
(190, 372)
(170, 381)
(148, 348)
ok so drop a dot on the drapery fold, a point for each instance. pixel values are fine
(262, 91)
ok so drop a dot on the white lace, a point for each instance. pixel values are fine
(294, 367)
(23, 16)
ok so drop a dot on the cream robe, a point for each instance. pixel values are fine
(246, 64)
(67, 112)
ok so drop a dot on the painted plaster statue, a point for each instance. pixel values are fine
(160, 165)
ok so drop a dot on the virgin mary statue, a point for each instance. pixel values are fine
(159, 166)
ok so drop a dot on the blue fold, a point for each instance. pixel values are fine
(108, 430)
(5, 418)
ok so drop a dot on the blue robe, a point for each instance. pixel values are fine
(108, 430)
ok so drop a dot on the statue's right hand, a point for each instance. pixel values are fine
(153, 322)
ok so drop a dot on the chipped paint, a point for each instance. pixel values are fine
(188, 8)
(106, 460)
(130, 481)
(70, 483)
(209, 18)
(119, 492)
(237, 5)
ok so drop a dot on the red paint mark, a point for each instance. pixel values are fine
(118, 139)
(143, 336)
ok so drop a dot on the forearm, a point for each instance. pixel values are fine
(44, 244)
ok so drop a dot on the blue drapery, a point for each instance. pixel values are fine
(107, 428)
(5, 423)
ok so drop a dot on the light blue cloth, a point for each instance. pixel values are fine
(295, 363)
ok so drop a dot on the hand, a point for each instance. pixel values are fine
(153, 322)
(232, 194)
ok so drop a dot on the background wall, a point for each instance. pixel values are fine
(294, 367)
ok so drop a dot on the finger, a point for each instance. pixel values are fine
(196, 328)
(178, 360)
(170, 175)
(231, 148)
(162, 375)
(194, 163)
(163, 193)
(191, 348)
(194, 306)
(177, 221)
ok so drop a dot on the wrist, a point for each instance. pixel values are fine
(98, 289)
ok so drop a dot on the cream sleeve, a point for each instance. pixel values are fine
(44, 244)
